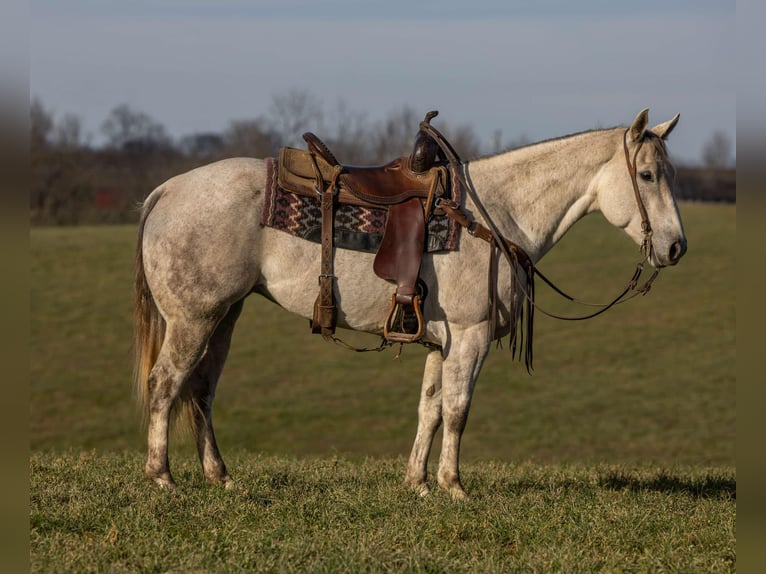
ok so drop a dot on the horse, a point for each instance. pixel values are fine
(202, 251)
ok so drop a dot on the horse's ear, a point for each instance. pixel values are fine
(663, 130)
(638, 126)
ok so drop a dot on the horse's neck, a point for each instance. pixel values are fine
(536, 193)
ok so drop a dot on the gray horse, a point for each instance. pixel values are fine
(201, 251)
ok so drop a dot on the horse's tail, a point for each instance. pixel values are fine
(149, 330)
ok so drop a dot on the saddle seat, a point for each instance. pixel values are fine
(406, 187)
(377, 186)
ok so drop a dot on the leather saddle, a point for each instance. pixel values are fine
(407, 188)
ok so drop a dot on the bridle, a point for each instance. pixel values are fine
(631, 289)
(518, 259)
(646, 227)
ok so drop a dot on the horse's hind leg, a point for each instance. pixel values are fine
(184, 344)
(429, 419)
(202, 386)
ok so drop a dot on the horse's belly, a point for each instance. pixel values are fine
(290, 277)
(456, 283)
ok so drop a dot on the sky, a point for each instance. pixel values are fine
(537, 69)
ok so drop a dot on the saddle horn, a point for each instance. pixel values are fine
(425, 150)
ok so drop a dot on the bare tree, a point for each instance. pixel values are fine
(68, 133)
(61, 183)
(40, 124)
(202, 145)
(127, 128)
(518, 142)
(717, 152)
(349, 136)
(295, 112)
(395, 135)
(462, 137)
(252, 138)
(40, 127)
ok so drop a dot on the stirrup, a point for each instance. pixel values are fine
(401, 321)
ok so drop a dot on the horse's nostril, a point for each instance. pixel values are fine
(677, 250)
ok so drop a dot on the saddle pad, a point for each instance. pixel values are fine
(355, 227)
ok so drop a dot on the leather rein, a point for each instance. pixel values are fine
(516, 256)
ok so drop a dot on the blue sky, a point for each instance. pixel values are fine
(541, 69)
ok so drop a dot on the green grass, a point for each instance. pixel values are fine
(93, 513)
(617, 454)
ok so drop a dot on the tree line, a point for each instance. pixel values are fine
(76, 182)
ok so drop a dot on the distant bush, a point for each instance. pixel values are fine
(707, 184)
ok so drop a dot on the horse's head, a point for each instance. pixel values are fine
(635, 192)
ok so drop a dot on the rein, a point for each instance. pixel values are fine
(516, 256)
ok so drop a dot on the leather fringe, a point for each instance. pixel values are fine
(521, 317)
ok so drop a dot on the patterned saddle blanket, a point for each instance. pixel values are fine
(355, 227)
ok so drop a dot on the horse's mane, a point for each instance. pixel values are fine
(545, 141)
(648, 135)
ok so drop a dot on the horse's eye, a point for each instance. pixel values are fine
(647, 176)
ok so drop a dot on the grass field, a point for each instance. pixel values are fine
(332, 515)
(623, 437)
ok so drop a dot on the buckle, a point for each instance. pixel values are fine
(445, 202)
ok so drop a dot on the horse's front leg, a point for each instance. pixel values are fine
(429, 419)
(462, 362)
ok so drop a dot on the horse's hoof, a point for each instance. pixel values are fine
(454, 488)
(458, 494)
(226, 481)
(163, 479)
(419, 487)
(164, 482)
(422, 489)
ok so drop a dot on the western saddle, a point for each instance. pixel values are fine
(407, 187)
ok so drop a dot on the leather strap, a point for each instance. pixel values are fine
(318, 147)
(325, 311)
(472, 227)
(646, 227)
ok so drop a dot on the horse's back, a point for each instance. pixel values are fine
(200, 234)
(218, 186)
